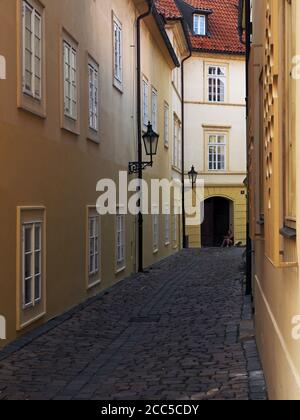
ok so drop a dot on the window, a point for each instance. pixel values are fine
(216, 83)
(93, 70)
(32, 264)
(31, 55)
(177, 143)
(155, 231)
(93, 248)
(200, 25)
(175, 232)
(118, 53)
(167, 226)
(290, 159)
(32, 51)
(120, 241)
(154, 110)
(70, 80)
(217, 152)
(145, 102)
(166, 124)
(176, 74)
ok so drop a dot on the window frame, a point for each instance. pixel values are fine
(199, 16)
(145, 99)
(216, 77)
(94, 277)
(120, 262)
(26, 98)
(118, 64)
(30, 312)
(154, 109)
(177, 143)
(93, 131)
(70, 122)
(155, 232)
(166, 125)
(217, 145)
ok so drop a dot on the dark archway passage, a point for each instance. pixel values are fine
(218, 219)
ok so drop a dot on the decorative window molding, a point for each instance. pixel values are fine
(31, 57)
(31, 265)
(70, 102)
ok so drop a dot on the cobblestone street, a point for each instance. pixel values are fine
(181, 331)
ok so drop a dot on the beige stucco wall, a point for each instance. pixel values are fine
(276, 290)
(43, 165)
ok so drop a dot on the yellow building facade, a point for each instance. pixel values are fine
(68, 118)
(273, 128)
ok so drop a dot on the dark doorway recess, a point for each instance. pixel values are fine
(218, 219)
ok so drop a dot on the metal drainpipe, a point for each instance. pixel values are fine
(139, 132)
(184, 237)
(249, 242)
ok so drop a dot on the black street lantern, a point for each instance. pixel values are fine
(150, 139)
(193, 175)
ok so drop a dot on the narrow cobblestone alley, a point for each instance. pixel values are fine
(181, 331)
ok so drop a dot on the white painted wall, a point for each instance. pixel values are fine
(200, 113)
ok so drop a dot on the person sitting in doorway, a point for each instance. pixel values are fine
(228, 240)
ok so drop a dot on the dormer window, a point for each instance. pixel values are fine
(200, 24)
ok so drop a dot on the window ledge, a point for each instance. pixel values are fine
(288, 233)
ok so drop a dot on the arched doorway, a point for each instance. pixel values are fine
(218, 219)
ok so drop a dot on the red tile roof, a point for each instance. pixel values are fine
(222, 35)
(168, 9)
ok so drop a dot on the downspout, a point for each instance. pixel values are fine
(139, 134)
(184, 237)
(249, 242)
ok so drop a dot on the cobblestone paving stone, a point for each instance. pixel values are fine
(181, 331)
